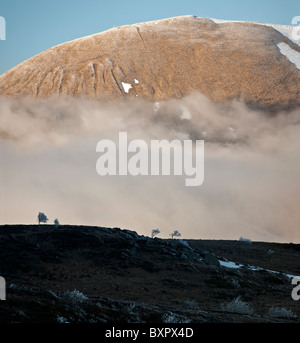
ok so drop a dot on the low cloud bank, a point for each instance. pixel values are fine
(251, 186)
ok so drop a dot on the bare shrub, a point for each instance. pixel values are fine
(170, 317)
(281, 312)
(175, 233)
(155, 232)
(74, 297)
(245, 240)
(237, 306)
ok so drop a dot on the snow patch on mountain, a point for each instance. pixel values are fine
(126, 86)
(291, 54)
(229, 264)
(233, 265)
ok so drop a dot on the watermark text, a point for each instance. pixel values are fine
(160, 158)
(2, 288)
(296, 29)
(2, 28)
(296, 290)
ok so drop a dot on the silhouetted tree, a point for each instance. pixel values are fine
(154, 232)
(42, 218)
(176, 233)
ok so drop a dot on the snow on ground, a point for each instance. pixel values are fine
(229, 264)
(286, 30)
(136, 81)
(126, 86)
(291, 54)
(222, 21)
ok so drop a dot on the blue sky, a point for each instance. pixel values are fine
(33, 26)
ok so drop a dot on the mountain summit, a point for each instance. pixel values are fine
(166, 59)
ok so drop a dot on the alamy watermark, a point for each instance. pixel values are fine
(296, 290)
(137, 158)
(296, 29)
(2, 28)
(2, 288)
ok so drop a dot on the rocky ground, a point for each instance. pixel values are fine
(101, 275)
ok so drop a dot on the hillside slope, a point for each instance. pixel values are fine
(96, 274)
(166, 59)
